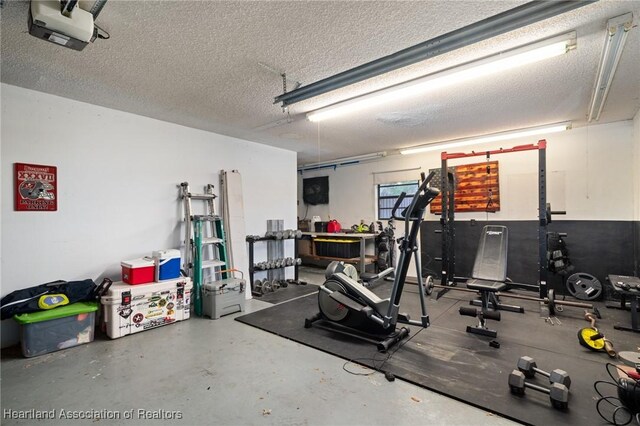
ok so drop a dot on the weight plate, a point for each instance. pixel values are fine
(329, 307)
(583, 286)
(585, 337)
(428, 285)
(629, 358)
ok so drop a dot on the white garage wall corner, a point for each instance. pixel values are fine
(117, 195)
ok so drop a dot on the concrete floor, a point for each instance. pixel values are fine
(217, 372)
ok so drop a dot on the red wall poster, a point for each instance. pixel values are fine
(36, 187)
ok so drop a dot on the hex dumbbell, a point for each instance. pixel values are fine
(267, 287)
(529, 368)
(558, 393)
(257, 286)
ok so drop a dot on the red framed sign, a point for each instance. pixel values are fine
(36, 187)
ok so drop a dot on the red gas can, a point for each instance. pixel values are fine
(333, 226)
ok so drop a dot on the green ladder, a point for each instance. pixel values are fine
(206, 256)
(216, 264)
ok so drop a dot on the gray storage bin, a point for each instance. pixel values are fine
(223, 297)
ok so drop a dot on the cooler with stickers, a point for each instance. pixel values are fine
(130, 309)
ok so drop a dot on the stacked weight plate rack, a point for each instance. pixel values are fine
(276, 262)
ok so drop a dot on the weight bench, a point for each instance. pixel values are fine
(489, 276)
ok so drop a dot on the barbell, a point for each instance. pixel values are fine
(550, 300)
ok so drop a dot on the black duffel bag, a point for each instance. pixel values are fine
(51, 295)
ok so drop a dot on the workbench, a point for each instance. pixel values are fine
(361, 261)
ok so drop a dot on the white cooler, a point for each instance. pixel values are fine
(130, 309)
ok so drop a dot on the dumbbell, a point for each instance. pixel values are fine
(289, 261)
(278, 263)
(275, 285)
(257, 286)
(279, 235)
(298, 261)
(269, 234)
(286, 234)
(528, 367)
(267, 287)
(558, 393)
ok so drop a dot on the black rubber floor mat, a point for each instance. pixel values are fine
(446, 359)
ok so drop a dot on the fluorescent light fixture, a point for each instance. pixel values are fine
(617, 29)
(344, 161)
(493, 137)
(503, 61)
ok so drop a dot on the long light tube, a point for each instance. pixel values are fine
(344, 161)
(493, 137)
(617, 30)
(510, 59)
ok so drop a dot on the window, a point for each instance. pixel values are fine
(388, 195)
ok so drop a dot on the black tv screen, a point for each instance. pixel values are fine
(315, 190)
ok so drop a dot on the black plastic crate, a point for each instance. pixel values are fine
(320, 226)
(343, 249)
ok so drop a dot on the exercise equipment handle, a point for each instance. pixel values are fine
(397, 204)
(416, 196)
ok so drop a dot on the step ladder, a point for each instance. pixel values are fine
(205, 245)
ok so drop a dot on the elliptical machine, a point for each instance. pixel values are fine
(349, 308)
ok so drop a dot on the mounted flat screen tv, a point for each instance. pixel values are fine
(315, 190)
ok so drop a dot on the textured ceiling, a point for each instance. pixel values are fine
(196, 63)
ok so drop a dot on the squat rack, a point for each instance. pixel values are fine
(447, 218)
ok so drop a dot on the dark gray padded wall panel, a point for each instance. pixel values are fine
(595, 247)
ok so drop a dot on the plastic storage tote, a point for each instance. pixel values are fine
(59, 328)
(340, 248)
(128, 310)
(138, 271)
(223, 297)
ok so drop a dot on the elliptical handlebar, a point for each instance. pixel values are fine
(395, 207)
(414, 200)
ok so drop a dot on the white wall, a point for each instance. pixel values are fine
(589, 174)
(117, 195)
